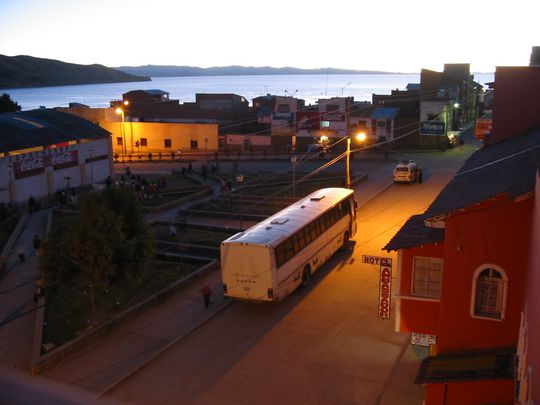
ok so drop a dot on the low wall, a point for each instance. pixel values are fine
(41, 363)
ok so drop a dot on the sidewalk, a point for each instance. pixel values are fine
(17, 288)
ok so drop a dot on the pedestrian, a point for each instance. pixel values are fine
(206, 292)
(189, 167)
(37, 244)
(229, 185)
(22, 255)
(223, 185)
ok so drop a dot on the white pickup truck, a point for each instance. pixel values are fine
(407, 171)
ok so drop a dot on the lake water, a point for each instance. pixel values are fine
(307, 87)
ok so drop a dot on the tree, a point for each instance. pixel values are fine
(7, 104)
(98, 247)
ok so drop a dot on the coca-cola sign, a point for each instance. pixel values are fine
(36, 165)
(28, 167)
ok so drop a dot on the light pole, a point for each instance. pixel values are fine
(293, 161)
(120, 111)
(343, 88)
(239, 180)
(361, 137)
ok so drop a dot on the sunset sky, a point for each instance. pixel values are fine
(391, 35)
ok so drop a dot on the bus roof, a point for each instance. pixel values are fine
(279, 226)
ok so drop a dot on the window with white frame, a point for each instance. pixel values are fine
(489, 292)
(427, 277)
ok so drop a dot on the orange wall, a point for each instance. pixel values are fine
(494, 232)
(471, 393)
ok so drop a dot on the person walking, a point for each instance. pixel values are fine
(37, 244)
(206, 292)
(22, 255)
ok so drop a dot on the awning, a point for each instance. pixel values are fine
(473, 365)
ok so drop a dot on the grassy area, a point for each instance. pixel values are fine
(69, 312)
(188, 234)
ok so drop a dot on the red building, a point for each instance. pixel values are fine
(469, 267)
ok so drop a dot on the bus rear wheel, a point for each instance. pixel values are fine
(345, 240)
(306, 277)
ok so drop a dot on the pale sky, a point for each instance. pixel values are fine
(388, 35)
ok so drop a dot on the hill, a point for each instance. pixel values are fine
(27, 71)
(176, 71)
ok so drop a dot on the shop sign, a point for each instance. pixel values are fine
(483, 128)
(36, 165)
(385, 284)
(333, 117)
(378, 260)
(422, 339)
(432, 128)
(308, 120)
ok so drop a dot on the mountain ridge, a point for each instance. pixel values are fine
(25, 71)
(233, 70)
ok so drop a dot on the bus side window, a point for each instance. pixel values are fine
(313, 230)
(288, 249)
(280, 255)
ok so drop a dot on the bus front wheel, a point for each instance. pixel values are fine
(306, 276)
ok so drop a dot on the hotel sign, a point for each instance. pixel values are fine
(422, 339)
(385, 284)
(432, 128)
(378, 260)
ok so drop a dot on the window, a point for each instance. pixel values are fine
(283, 108)
(119, 141)
(381, 124)
(427, 275)
(489, 292)
(167, 143)
(194, 145)
(144, 142)
(332, 107)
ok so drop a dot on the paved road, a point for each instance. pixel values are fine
(324, 344)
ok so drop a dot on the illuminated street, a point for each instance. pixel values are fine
(323, 344)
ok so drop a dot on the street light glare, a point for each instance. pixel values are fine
(119, 111)
(361, 136)
(126, 102)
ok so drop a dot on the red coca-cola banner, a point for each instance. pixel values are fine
(36, 165)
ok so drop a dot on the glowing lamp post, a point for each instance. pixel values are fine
(360, 137)
(120, 111)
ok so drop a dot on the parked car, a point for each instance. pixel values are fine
(407, 171)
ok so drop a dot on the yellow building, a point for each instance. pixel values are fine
(132, 138)
(142, 138)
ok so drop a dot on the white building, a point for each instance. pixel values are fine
(45, 151)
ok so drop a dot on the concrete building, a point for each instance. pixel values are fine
(45, 151)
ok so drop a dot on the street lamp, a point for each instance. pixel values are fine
(120, 111)
(344, 88)
(239, 180)
(361, 137)
(293, 161)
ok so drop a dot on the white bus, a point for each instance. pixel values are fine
(271, 259)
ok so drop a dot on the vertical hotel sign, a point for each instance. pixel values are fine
(385, 284)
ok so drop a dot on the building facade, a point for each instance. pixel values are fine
(47, 151)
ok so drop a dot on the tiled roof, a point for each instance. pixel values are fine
(415, 233)
(473, 365)
(43, 127)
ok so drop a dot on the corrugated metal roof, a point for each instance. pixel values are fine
(28, 129)
(472, 365)
(385, 113)
(155, 92)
